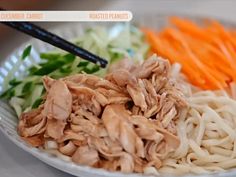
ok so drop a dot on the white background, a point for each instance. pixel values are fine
(14, 162)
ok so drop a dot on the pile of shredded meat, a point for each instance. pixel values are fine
(123, 122)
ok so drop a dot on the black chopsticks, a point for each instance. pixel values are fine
(55, 40)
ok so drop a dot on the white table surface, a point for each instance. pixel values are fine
(14, 162)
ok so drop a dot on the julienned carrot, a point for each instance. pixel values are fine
(209, 75)
(207, 53)
(162, 48)
(194, 60)
(219, 70)
(225, 42)
(189, 27)
(189, 67)
(226, 36)
(220, 60)
(228, 54)
(195, 78)
(207, 59)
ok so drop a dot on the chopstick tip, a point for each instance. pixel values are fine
(102, 63)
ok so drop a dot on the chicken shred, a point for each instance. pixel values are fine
(58, 103)
(122, 122)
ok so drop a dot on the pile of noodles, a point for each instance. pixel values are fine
(207, 133)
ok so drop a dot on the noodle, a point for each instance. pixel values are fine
(207, 135)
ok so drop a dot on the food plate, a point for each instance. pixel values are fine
(8, 119)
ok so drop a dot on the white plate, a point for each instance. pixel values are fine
(8, 119)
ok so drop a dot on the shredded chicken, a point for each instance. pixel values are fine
(125, 121)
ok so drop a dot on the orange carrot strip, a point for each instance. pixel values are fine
(207, 59)
(207, 53)
(194, 60)
(225, 35)
(190, 28)
(163, 48)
